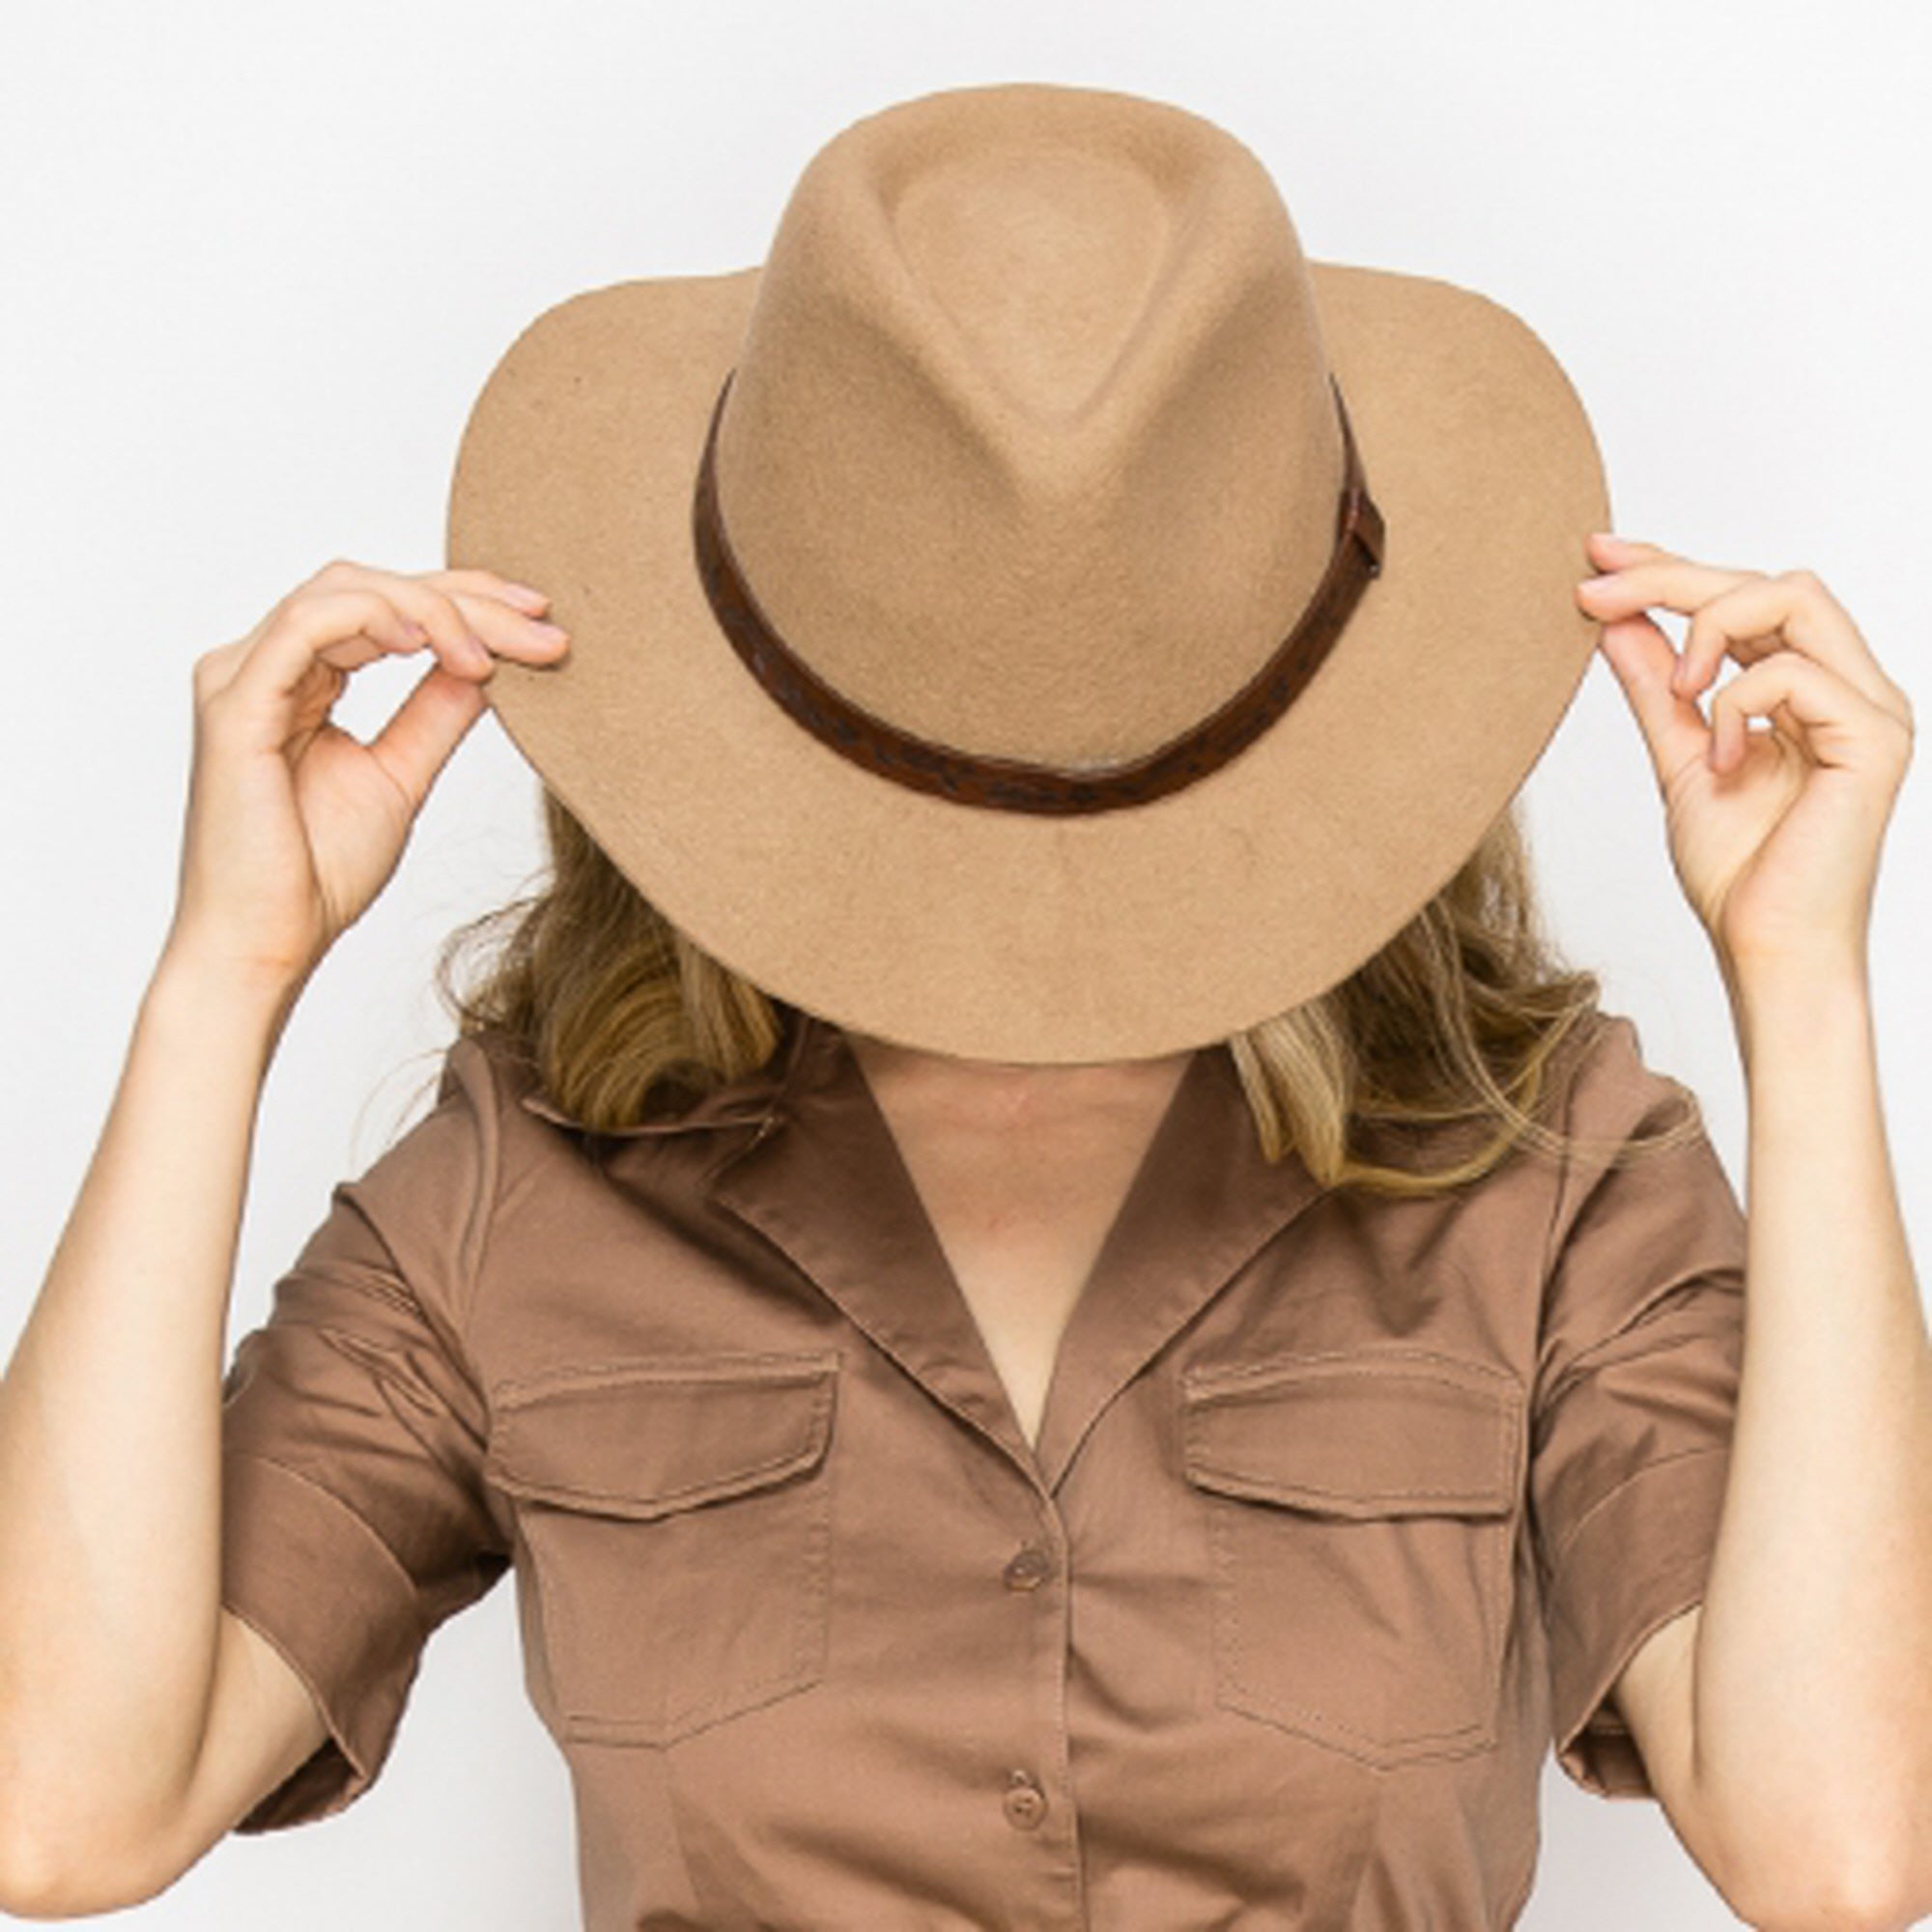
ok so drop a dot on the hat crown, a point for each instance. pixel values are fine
(1030, 447)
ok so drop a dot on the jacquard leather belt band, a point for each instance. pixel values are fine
(1012, 784)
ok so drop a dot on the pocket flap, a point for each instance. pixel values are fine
(649, 1436)
(1364, 1432)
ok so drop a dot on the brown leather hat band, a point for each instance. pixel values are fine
(1011, 784)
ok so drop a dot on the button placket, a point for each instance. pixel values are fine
(1033, 1562)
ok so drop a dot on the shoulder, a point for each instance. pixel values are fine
(478, 1069)
(1608, 1089)
(429, 1196)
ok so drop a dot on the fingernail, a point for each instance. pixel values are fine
(526, 593)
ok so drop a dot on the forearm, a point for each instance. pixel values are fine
(1813, 1668)
(110, 1432)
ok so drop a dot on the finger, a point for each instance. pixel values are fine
(342, 571)
(342, 629)
(1614, 553)
(512, 634)
(1841, 727)
(1784, 722)
(487, 582)
(1644, 659)
(1673, 582)
(426, 727)
(461, 644)
(1767, 613)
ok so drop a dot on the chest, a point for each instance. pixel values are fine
(1021, 1219)
(766, 1518)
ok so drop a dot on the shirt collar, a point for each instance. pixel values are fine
(834, 1196)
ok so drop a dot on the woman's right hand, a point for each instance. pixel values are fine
(293, 825)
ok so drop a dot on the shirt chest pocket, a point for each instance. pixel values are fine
(676, 1514)
(1361, 1510)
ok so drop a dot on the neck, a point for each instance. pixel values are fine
(1050, 1085)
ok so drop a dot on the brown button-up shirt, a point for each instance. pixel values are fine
(1342, 1508)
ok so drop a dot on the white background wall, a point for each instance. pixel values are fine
(257, 260)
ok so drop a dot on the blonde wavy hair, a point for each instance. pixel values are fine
(1459, 1022)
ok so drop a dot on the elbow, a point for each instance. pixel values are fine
(37, 1892)
(37, 1883)
(34, 1889)
(30, 1886)
(1862, 1895)
(71, 1847)
(1853, 1856)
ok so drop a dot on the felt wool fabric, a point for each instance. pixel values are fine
(1030, 443)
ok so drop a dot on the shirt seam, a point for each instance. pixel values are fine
(347, 1508)
(1667, 1302)
(1558, 1191)
(1561, 1556)
(489, 1192)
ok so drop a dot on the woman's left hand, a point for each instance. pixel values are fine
(1775, 834)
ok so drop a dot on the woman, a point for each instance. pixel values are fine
(1160, 1416)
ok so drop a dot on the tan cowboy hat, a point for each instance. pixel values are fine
(1094, 626)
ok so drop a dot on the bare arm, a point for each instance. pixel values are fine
(138, 1720)
(1821, 1583)
(1788, 1725)
(136, 1726)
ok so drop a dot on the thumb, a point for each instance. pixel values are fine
(427, 726)
(1644, 659)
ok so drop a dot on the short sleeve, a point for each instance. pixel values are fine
(352, 1518)
(1639, 1359)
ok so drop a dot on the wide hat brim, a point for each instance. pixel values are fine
(1019, 936)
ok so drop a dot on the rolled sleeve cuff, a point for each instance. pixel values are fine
(304, 1571)
(1640, 1557)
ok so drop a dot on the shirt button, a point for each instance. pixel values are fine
(1026, 1802)
(1030, 1564)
